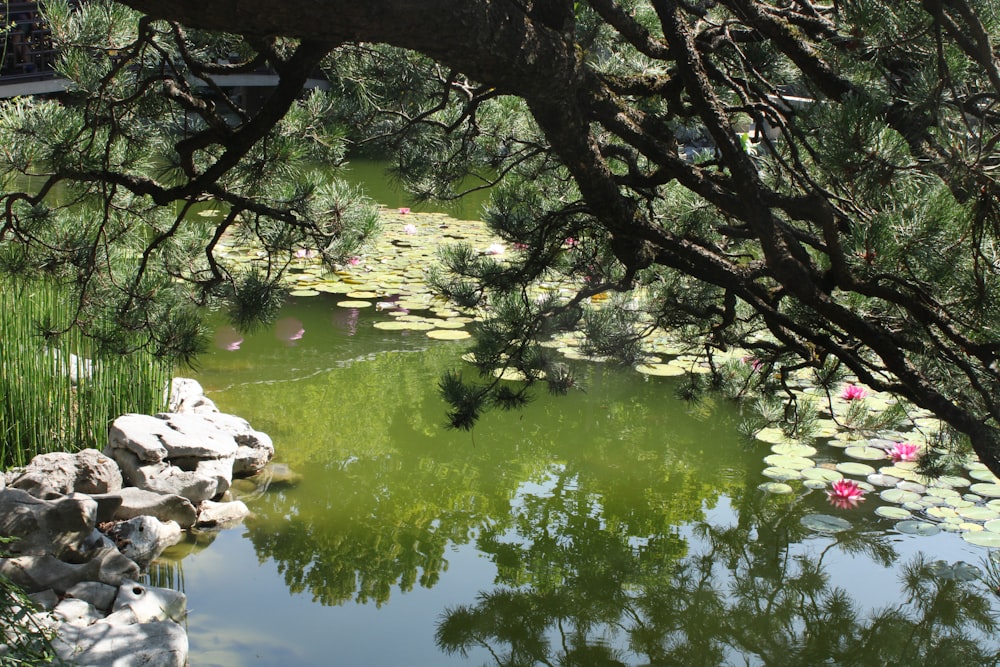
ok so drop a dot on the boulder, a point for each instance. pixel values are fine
(162, 477)
(221, 515)
(76, 612)
(187, 395)
(61, 473)
(157, 644)
(255, 448)
(140, 502)
(143, 538)
(37, 573)
(42, 526)
(154, 439)
(149, 603)
(102, 596)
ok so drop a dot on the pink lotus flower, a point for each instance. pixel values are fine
(354, 261)
(853, 392)
(410, 229)
(845, 493)
(303, 253)
(904, 451)
(495, 249)
(404, 211)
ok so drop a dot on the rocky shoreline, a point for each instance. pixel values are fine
(85, 526)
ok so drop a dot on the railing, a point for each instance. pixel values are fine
(27, 49)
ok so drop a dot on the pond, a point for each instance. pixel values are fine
(617, 525)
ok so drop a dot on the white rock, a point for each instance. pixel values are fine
(62, 473)
(154, 439)
(77, 612)
(164, 478)
(141, 502)
(225, 515)
(157, 644)
(143, 538)
(102, 596)
(151, 603)
(187, 395)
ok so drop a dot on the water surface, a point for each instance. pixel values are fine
(614, 526)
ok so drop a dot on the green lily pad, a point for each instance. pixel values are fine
(824, 523)
(865, 453)
(396, 325)
(942, 492)
(959, 571)
(993, 526)
(663, 370)
(890, 512)
(791, 448)
(855, 468)
(772, 435)
(941, 512)
(957, 502)
(303, 292)
(821, 474)
(915, 487)
(787, 461)
(781, 474)
(448, 334)
(983, 538)
(915, 527)
(899, 496)
(352, 303)
(986, 489)
(978, 513)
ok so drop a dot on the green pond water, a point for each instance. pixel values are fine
(614, 526)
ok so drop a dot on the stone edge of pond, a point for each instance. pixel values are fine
(87, 524)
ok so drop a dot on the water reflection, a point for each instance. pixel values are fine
(621, 527)
(752, 593)
(227, 338)
(289, 330)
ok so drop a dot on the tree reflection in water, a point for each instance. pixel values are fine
(754, 594)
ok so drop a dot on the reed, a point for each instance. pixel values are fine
(62, 395)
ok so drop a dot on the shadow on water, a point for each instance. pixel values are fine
(615, 526)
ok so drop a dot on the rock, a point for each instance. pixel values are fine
(164, 506)
(76, 612)
(157, 644)
(276, 475)
(62, 473)
(45, 600)
(187, 395)
(154, 439)
(221, 515)
(102, 596)
(255, 448)
(143, 538)
(161, 477)
(41, 526)
(150, 603)
(37, 573)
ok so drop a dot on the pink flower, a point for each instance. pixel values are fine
(495, 249)
(520, 246)
(904, 451)
(754, 363)
(354, 261)
(404, 211)
(570, 241)
(303, 253)
(410, 229)
(853, 392)
(845, 493)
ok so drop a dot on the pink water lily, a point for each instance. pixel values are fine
(404, 211)
(904, 451)
(410, 229)
(495, 249)
(845, 493)
(853, 392)
(354, 261)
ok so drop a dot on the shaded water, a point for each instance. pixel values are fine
(616, 525)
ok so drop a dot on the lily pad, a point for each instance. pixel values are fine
(303, 292)
(663, 370)
(978, 513)
(779, 488)
(915, 527)
(899, 496)
(822, 474)
(890, 512)
(787, 461)
(791, 449)
(448, 334)
(825, 523)
(942, 512)
(781, 474)
(353, 303)
(993, 526)
(855, 468)
(986, 489)
(865, 453)
(983, 538)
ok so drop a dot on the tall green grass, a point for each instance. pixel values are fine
(62, 396)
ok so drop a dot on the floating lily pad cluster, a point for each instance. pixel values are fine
(968, 504)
